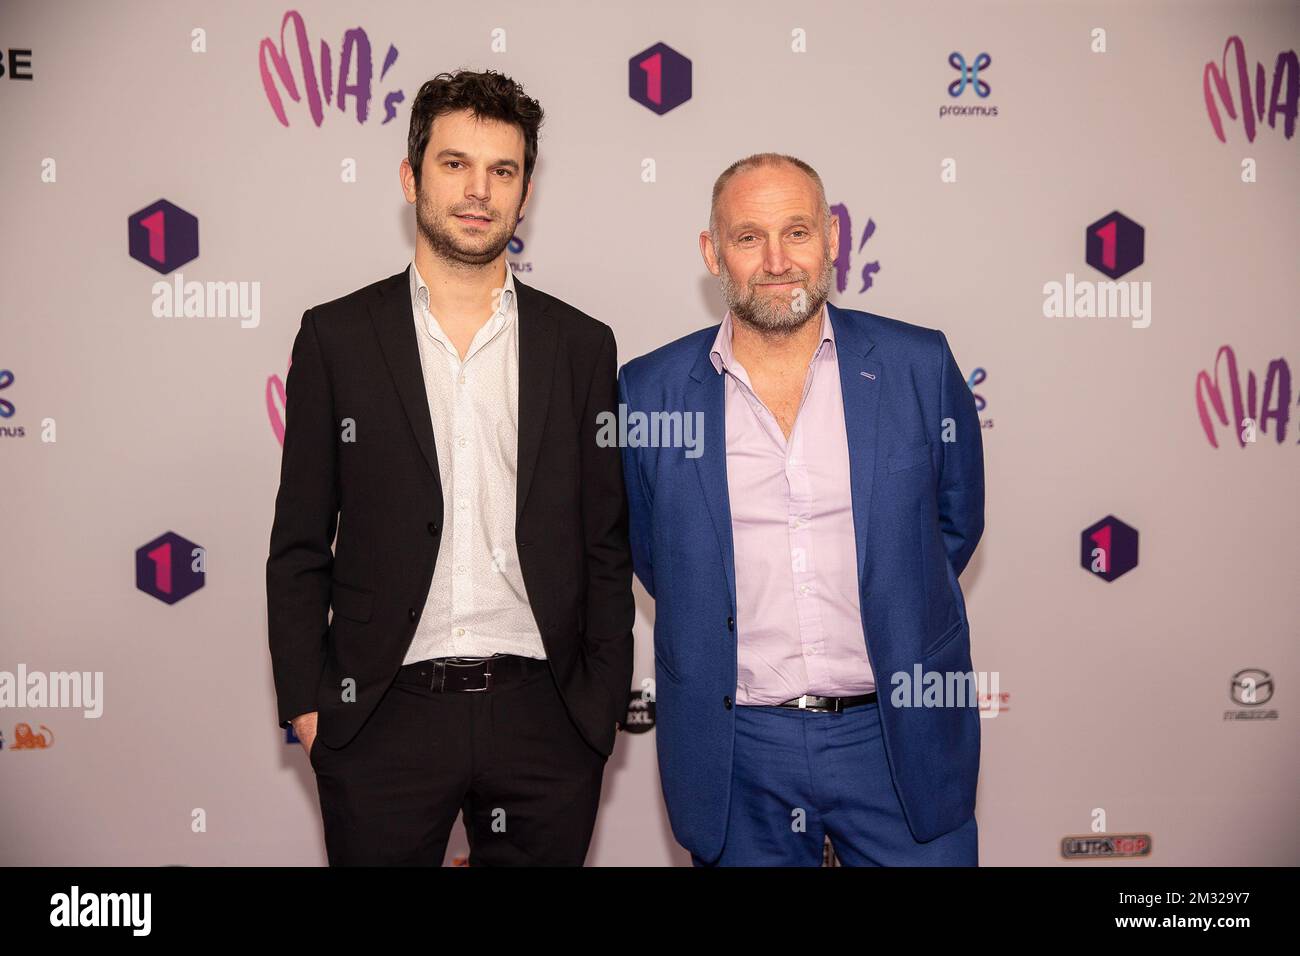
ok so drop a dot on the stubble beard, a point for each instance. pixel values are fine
(440, 231)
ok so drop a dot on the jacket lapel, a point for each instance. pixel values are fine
(394, 324)
(538, 340)
(860, 385)
(706, 393)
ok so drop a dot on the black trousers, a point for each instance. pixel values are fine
(509, 758)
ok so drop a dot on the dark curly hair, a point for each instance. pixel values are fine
(489, 95)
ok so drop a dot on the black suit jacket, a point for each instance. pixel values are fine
(357, 358)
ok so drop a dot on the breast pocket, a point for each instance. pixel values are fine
(351, 603)
(909, 458)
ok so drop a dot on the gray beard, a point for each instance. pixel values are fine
(771, 315)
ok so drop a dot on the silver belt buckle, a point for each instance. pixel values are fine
(440, 673)
(470, 662)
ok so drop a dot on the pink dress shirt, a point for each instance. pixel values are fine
(798, 617)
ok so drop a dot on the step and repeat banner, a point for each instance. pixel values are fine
(1098, 203)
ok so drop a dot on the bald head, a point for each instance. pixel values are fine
(762, 161)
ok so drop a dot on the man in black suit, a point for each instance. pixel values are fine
(443, 421)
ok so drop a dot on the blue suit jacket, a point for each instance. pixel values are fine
(918, 513)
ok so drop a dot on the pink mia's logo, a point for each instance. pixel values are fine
(275, 402)
(1284, 97)
(1252, 412)
(358, 84)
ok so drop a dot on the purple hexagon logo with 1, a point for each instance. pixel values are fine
(1109, 548)
(1116, 245)
(163, 236)
(659, 78)
(170, 567)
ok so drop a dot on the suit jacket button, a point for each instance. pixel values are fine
(433, 528)
(410, 612)
(726, 702)
(731, 623)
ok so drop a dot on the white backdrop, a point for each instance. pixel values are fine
(1118, 693)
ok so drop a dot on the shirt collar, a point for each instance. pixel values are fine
(420, 296)
(723, 357)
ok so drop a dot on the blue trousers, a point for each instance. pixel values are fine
(799, 776)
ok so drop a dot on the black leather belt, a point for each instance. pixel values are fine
(828, 705)
(468, 674)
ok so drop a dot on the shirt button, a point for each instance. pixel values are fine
(460, 569)
(459, 632)
(805, 589)
(462, 442)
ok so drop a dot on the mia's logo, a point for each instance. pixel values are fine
(659, 78)
(356, 74)
(1255, 411)
(845, 254)
(163, 236)
(1109, 548)
(1284, 98)
(275, 403)
(969, 75)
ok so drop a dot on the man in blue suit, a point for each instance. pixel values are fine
(803, 548)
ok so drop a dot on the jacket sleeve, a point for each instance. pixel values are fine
(299, 566)
(640, 501)
(610, 610)
(961, 477)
